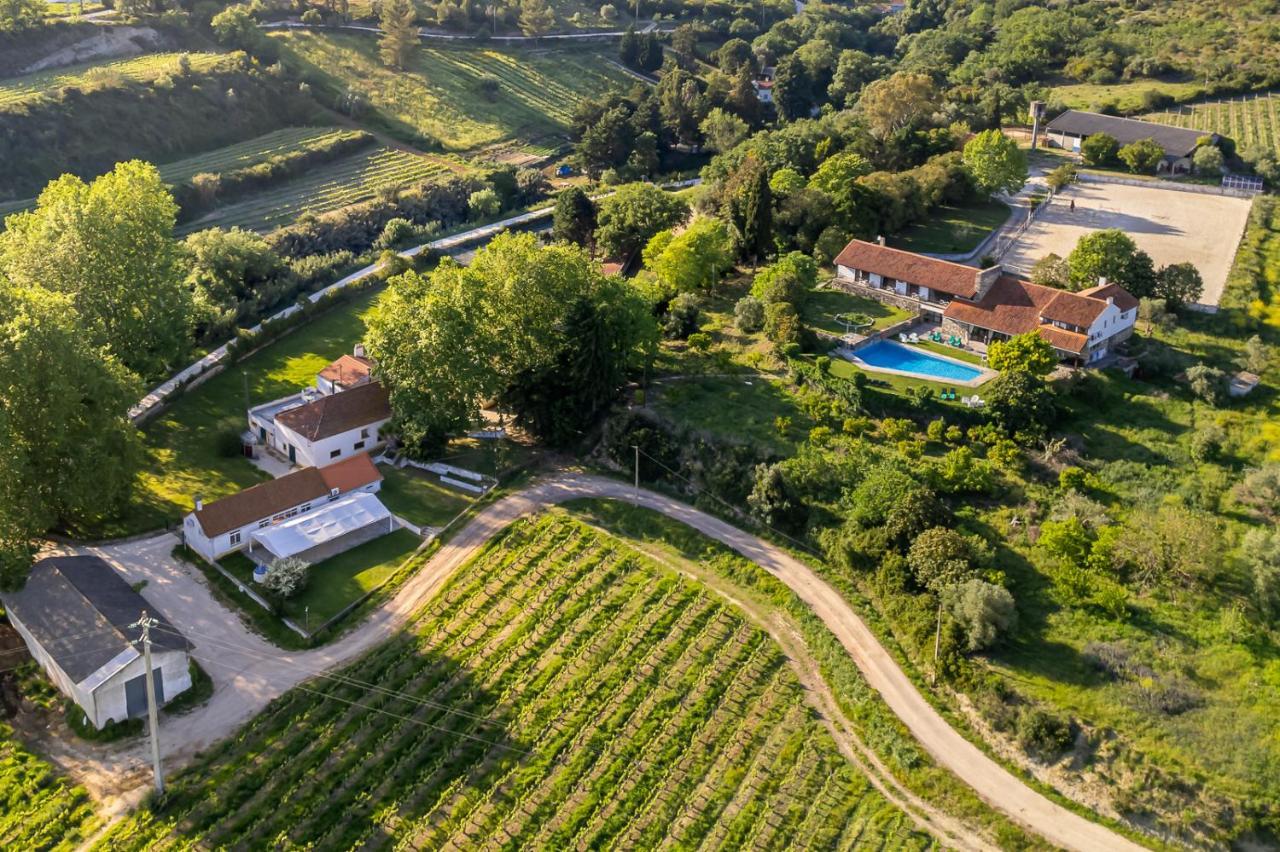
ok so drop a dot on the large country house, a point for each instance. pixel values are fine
(342, 415)
(984, 305)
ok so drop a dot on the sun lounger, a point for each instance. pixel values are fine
(902, 336)
(914, 338)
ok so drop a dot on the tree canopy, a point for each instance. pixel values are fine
(996, 162)
(109, 246)
(447, 341)
(633, 214)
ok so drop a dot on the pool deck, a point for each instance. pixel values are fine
(985, 374)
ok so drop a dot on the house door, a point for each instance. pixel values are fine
(135, 694)
(293, 454)
(262, 434)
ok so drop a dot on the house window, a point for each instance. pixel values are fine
(364, 433)
(335, 454)
(333, 494)
(306, 507)
(235, 538)
(359, 445)
(265, 522)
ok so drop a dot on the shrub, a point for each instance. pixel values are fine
(286, 577)
(1114, 659)
(1172, 695)
(484, 203)
(984, 611)
(1073, 479)
(396, 231)
(748, 314)
(682, 317)
(1208, 383)
(229, 444)
(1099, 149)
(1042, 734)
(940, 557)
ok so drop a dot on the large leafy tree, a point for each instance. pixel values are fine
(631, 216)
(1142, 157)
(695, 258)
(996, 162)
(68, 454)
(108, 245)
(399, 33)
(449, 340)
(1112, 255)
(897, 103)
(1028, 352)
(1179, 284)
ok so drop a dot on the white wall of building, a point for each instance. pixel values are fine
(329, 450)
(238, 539)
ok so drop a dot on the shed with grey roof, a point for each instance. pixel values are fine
(76, 615)
(1071, 128)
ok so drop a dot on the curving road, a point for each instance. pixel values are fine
(250, 672)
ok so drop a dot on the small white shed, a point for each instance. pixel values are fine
(75, 613)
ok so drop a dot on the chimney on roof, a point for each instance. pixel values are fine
(1102, 280)
(1111, 300)
(359, 350)
(880, 240)
(983, 279)
(199, 504)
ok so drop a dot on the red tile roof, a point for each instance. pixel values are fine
(952, 278)
(1014, 306)
(347, 370)
(337, 413)
(278, 495)
(1124, 300)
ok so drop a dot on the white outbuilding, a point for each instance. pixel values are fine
(75, 614)
(325, 532)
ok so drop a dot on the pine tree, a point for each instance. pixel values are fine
(650, 58)
(399, 33)
(574, 218)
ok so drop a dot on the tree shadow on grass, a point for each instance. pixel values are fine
(352, 763)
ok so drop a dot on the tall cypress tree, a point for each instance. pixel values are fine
(750, 207)
(629, 48)
(574, 218)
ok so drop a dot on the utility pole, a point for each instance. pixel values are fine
(937, 645)
(244, 374)
(146, 623)
(636, 447)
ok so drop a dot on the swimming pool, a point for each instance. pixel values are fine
(888, 355)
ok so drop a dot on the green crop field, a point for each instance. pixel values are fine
(439, 94)
(138, 69)
(250, 152)
(1253, 121)
(348, 180)
(40, 810)
(562, 692)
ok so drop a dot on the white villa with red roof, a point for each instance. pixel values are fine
(344, 414)
(984, 305)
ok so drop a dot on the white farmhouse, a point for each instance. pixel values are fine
(215, 529)
(317, 428)
(75, 614)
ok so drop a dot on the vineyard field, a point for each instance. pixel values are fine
(40, 810)
(562, 691)
(348, 180)
(1253, 121)
(441, 94)
(250, 152)
(138, 69)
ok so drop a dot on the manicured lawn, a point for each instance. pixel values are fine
(332, 584)
(824, 305)
(897, 384)
(950, 351)
(337, 582)
(953, 230)
(439, 95)
(420, 498)
(740, 407)
(192, 449)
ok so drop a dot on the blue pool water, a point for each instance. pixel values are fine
(908, 359)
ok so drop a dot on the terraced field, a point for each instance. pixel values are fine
(348, 180)
(138, 69)
(248, 153)
(39, 810)
(561, 692)
(1253, 121)
(440, 95)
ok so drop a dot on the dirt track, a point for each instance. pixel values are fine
(249, 672)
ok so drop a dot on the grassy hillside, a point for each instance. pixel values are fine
(563, 691)
(87, 78)
(439, 98)
(87, 131)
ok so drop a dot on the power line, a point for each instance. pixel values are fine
(409, 719)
